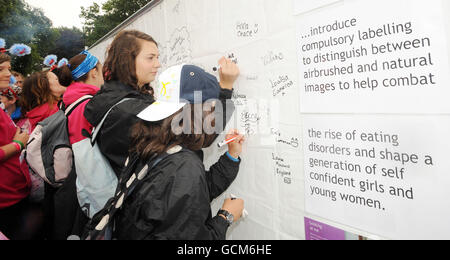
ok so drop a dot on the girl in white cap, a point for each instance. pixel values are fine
(165, 191)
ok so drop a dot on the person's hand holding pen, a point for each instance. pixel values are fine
(228, 72)
(235, 142)
(234, 206)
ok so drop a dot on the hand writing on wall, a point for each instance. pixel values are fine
(229, 72)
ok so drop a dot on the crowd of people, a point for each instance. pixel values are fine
(172, 201)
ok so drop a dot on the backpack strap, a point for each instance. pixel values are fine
(61, 105)
(68, 111)
(105, 219)
(97, 129)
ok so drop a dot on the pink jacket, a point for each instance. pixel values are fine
(77, 122)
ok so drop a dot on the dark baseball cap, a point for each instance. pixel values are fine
(180, 85)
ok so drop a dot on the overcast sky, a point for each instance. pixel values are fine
(63, 12)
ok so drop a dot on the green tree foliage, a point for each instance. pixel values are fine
(69, 42)
(6, 7)
(21, 23)
(114, 12)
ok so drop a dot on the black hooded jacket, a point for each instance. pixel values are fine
(115, 136)
(173, 202)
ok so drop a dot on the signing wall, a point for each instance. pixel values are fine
(343, 104)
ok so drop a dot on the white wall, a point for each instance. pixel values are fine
(265, 37)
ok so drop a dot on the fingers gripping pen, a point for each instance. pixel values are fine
(244, 211)
(230, 140)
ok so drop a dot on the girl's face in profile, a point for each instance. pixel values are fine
(55, 87)
(5, 75)
(147, 63)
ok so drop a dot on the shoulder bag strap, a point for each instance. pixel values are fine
(68, 111)
(125, 189)
(99, 126)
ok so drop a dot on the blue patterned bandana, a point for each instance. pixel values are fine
(88, 64)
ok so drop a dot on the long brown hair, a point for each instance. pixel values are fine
(149, 138)
(120, 64)
(36, 92)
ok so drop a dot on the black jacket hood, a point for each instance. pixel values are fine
(110, 94)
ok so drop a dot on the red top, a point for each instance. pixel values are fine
(15, 182)
(77, 121)
(41, 113)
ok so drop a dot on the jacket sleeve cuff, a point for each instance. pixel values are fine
(232, 158)
(221, 226)
(225, 94)
(230, 163)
